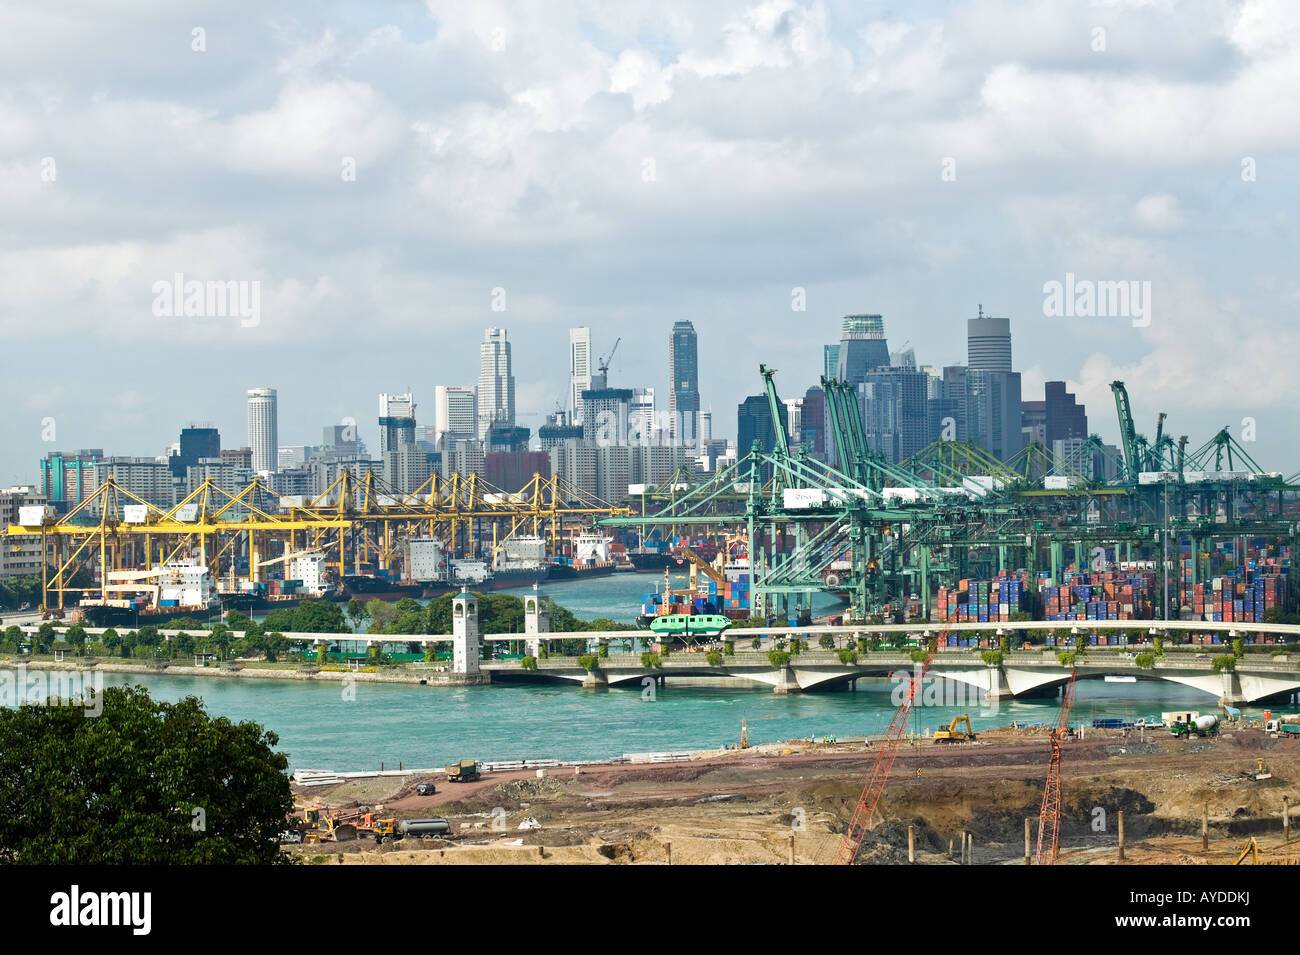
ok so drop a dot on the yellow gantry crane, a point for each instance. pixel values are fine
(114, 529)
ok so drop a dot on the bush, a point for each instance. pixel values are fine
(604, 649)
(1066, 659)
(755, 644)
(528, 663)
(992, 657)
(729, 647)
(650, 660)
(848, 657)
(1145, 660)
(918, 656)
(589, 661)
(543, 652)
(1238, 647)
(714, 658)
(778, 658)
(827, 642)
(797, 646)
(1225, 662)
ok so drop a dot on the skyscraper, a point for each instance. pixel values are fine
(496, 382)
(195, 444)
(862, 347)
(754, 424)
(684, 370)
(455, 414)
(579, 369)
(263, 438)
(993, 388)
(396, 422)
(988, 343)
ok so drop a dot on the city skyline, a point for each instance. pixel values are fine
(586, 168)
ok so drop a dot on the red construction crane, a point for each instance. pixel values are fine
(1049, 817)
(860, 824)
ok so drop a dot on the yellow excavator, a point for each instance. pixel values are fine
(954, 735)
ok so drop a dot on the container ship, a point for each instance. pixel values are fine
(162, 593)
(591, 558)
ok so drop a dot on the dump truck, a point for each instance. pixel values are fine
(466, 771)
(952, 734)
(1207, 725)
(389, 830)
(1284, 726)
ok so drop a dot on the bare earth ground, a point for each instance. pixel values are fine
(745, 806)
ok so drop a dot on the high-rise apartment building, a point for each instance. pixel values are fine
(263, 437)
(496, 382)
(195, 444)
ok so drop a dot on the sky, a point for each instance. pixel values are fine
(395, 177)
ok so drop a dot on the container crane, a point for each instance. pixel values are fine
(865, 810)
(1049, 816)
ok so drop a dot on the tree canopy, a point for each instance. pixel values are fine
(145, 782)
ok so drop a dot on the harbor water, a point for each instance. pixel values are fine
(423, 727)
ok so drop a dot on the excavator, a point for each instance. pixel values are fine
(954, 735)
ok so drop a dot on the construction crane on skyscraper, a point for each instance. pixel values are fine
(603, 364)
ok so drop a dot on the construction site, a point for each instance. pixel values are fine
(1126, 799)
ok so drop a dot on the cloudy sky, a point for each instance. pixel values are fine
(379, 168)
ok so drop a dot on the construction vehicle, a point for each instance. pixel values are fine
(466, 771)
(954, 735)
(390, 830)
(1207, 725)
(1283, 726)
(321, 826)
(1252, 849)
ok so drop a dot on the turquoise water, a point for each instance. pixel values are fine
(423, 727)
(618, 596)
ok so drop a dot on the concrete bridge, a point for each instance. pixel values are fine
(1021, 674)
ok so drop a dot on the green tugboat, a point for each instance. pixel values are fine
(689, 625)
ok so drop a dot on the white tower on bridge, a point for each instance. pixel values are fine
(465, 640)
(537, 619)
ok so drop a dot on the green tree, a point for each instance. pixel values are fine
(76, 636)
(1225, 662)
(826, 642)
(383, 616)
(1238, 647)
(756, 643)
(45, 635)
(848, 657)
(1146, 661)
(126, 787)
(589, 661)
(357, 613)
(13, 637)
(778, 658)
(110, 639)
(992, 657)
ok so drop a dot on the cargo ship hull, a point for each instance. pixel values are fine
(570, 572)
